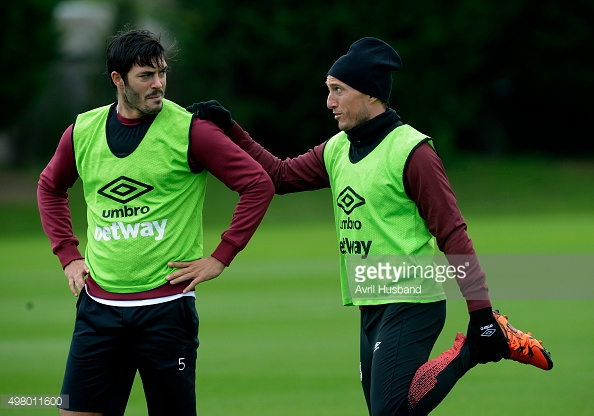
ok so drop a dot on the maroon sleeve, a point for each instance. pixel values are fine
(232, 166)
(52, 199)
(306, 172)
(430, 188)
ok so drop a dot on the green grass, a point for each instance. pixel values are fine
(275, 339)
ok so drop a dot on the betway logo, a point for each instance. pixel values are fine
(355, 247)
(119, 230)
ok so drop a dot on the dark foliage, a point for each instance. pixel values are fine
(496, 78)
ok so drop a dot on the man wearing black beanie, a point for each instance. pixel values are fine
(367, 67)
(393, 204)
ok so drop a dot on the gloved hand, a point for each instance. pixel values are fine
(212, 110)
(486, 340)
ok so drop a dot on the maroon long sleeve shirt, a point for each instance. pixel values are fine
(428, 187)
(209, 149)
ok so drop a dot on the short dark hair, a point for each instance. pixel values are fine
(135, 46)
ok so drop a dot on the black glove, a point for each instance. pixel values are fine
(486, 340)
(212, 110)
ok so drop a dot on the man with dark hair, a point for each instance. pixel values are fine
(143, 163)
(393, 203)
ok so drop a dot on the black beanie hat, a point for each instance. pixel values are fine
(367, 67)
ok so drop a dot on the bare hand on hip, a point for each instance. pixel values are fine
(76, 271)
(196, 271)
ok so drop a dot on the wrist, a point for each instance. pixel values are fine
(229, 126)
(481, 315)
(476, 303)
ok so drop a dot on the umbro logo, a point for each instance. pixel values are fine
(348, 200)
(487, 330)
(124, 189)
(377, 345)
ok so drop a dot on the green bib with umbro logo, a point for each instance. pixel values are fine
(143, 210)
(386, 250)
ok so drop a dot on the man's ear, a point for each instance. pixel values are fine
(373, 102)
(117, 79)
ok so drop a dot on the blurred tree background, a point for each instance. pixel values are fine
(494, 78)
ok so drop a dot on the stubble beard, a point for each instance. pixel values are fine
(360, 117)
(132, 100)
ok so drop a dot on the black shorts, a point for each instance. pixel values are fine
(110, 344)
(396, 339)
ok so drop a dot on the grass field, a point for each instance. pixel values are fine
(275, 339)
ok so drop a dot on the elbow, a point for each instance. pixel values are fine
(268, 187)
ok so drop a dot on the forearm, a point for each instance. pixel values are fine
(247, 216)
(303, 173)
(55, 220)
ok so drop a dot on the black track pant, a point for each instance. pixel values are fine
(396, 341)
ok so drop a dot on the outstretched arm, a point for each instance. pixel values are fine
(306, 172)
